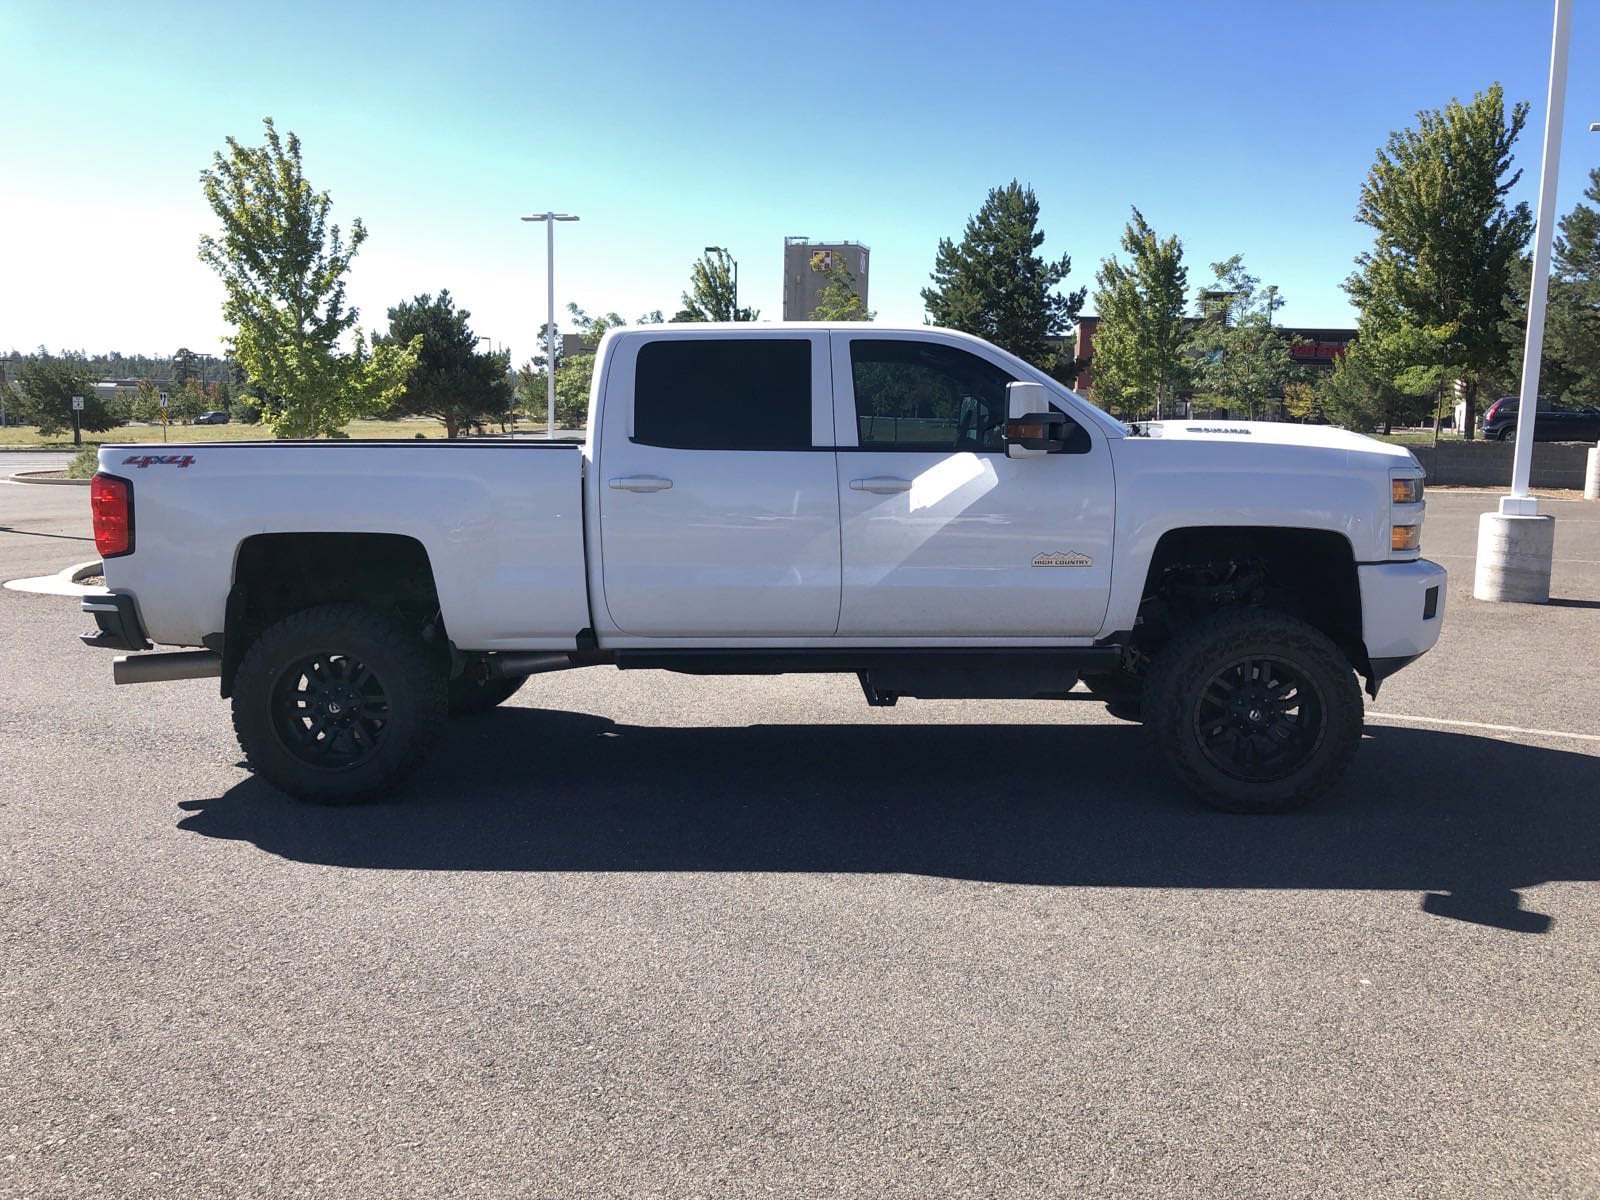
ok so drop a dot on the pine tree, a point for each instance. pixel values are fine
(995, 284)
(1572, 324)
(453, 382)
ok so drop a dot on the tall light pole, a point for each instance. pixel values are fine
(735, 262)
(1516, 545)
(550, 219)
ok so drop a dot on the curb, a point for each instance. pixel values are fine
(33, 477)
(63, 583)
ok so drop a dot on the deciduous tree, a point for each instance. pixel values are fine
(283, 268)
(838, 300)
(1300, 401)
(711, 294)
(1447, 244)
(1138, 344)
(1241, 360)
(996, 284)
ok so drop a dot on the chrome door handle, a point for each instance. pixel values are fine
(882, 484)
(639, 483)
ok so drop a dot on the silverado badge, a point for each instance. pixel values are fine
(1073, 559)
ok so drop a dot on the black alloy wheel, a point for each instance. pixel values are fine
(1255, 710)
(330, 710)
(1259, 719)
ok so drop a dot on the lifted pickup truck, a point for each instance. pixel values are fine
(913, 506)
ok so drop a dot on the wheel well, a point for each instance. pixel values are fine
(276, 574)
(1308, 573)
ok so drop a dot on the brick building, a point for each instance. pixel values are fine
(1313, 348)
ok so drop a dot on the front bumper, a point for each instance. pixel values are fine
(118, 621)
(1402, 611)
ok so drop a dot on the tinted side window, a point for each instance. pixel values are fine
(724, 394)
(924, 396)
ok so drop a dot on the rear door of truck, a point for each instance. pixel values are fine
(717, 494)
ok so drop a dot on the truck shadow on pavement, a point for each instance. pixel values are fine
(1466, 819)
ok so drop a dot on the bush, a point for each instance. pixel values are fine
(84, 463)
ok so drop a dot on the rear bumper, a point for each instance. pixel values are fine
(1402, 611)
(118, 622)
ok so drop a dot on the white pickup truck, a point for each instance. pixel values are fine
(913, 506)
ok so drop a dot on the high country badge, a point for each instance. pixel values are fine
(1074, 559)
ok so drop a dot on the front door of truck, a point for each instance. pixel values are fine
(719, 507)
(942, 534)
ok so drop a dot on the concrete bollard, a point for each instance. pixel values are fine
(1591, 477)
(1514, 558)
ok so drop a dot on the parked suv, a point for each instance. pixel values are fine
(1550, 425)
(217, 417)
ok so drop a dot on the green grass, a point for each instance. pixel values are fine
(19, 436)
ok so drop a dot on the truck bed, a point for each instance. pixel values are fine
(501, 522)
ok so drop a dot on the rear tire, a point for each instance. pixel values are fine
(468, 696)
(1255, 711)
(335, 703)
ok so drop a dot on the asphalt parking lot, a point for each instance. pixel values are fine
(641, 935)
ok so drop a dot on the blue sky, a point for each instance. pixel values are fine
(1244, 127)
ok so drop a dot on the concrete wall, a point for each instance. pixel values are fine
(1488, 464)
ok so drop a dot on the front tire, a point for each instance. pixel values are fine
(1255, 711)
(335, 703)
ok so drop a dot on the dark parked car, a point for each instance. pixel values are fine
(1550, 424)
(218, 417)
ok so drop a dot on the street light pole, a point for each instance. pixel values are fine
(550, 219)
(735, 262)
(1516, 545)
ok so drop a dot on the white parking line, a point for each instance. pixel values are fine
(1404, 719)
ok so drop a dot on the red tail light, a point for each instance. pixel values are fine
(111, 503)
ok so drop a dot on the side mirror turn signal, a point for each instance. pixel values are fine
(1035, 433)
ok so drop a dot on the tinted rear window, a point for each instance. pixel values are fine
(724, 394)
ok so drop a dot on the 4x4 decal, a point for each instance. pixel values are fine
(157, 460)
